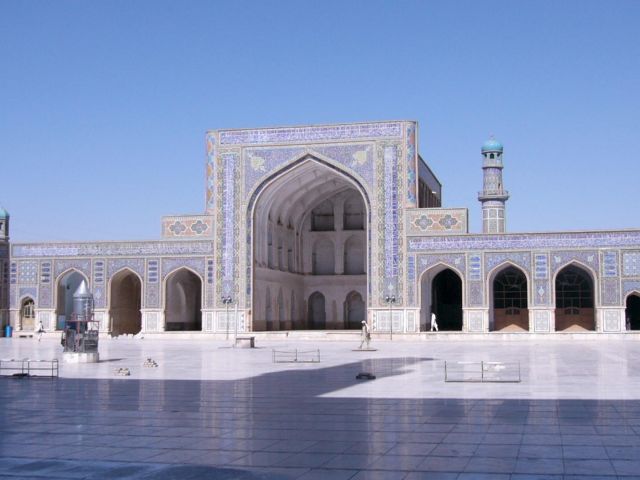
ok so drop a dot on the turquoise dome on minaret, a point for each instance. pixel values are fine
(3, 213)
(492, 145)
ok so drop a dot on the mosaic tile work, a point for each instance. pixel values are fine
(45, 299)
(521, 259)
(560, 259)
(114, 265)
(170, 265)
(631, 264)
(210, 283)
(541, 266)
(310, 133)
(27, 273)
(455, 261)
(541, 295)
(152, 288)
(82, 265)
(390, 214)
(31, 292)
(411, 280)
(436, 221)
(629, 286)
(211, 173)
(187, 226)
(526, 241)
(610, 264)
(412, 162)
(111, 249)
(610, 288)
(98, 272)
(475, 268)
(228, 230)
(475, 294)
(261, 162)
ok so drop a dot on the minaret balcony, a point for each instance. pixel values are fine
(493, 195)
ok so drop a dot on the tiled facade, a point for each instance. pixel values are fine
(405, 244)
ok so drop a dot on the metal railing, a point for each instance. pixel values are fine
(296, 356)
(28, 368)
(482, 372)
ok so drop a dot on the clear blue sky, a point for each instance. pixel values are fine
(104, 104)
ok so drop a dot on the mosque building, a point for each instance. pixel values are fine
(319, 228)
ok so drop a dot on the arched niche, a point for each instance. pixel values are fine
(317, 316)
(183, 301)
(509, 299)
(67, 285)
(632, 311)
(355, 311)
(441, 293)
(125, 302)
(575, 299)
(27, 314)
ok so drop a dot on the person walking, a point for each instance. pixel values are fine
(434, 323)
(40, 330)
(365, 335)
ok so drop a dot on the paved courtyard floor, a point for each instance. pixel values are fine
(209, 411)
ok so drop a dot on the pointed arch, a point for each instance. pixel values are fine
(446, 303)
(632, 310)
(125, 294)
(290, 196)
(317, 316)
(355, 310)
(67, 282)
(508, 284)
(574, 293)
(27, 313)
(182, 299)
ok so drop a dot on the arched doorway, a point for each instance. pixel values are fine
(183, 301)
(317, 312)
(355, 311)
(299, 217)
(125, 302)
(632, 312)
(510, 302)
(441, 293)
(67, 286)
(574, 300)
(27, 314)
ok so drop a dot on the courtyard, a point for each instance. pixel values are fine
(209, 410)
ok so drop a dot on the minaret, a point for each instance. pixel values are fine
(4, 224)
(493, 195)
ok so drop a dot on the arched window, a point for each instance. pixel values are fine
(354, 213)
(322, 217)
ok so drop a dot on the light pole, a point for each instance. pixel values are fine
(227, 301)
(390, 299)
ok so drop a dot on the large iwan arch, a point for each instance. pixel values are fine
(308, 236)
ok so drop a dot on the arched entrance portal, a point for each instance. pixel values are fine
(355, 311)
(125, 303)
(632, 312)
(309, 242)
(27, 314)
(510, 305)
(574, 300)
(317, 312)
(441, 293)
(183, 304)
(67, 286)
